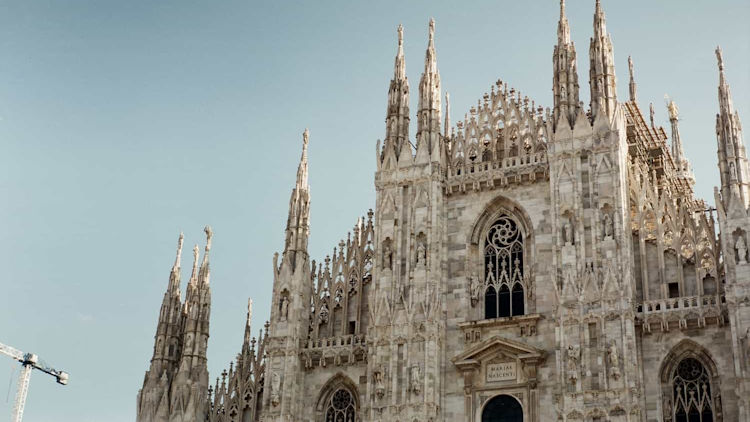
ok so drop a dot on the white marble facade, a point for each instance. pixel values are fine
(526, 264)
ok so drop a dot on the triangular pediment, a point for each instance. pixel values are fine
(494, 346)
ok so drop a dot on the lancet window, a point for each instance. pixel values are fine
(341, 407)
(504, 269)
(692, 400)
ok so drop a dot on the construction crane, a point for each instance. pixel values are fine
(28, 361)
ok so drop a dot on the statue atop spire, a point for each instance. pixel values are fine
(563, 28)
(397, 113)
(429, 112)
(299, 203)
(447, 127)
(179, 251)
(651, 114)
(733, 163)
(632, 85)
(209, 235)
(602, 78)
(194, 275)
(305, 141)
(204, 273)
(565, 74)
(430, 60)
(302, 169)
(678, 155)
(399, 68)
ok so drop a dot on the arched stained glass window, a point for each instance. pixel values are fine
(341, 407)
(504, 269)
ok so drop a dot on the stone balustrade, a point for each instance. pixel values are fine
(339, 341)
(681, 312)
(679, 303)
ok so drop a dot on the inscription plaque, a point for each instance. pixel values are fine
(505, 371)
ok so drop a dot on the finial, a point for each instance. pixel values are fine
(720, 58)
(209, 235)
(400, 35)
(432, 29)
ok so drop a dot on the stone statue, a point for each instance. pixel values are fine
(667, 409)
(574, 354)
(475, 288)
(416, 379)
(387, 255)
(323, 315)
(732, 172)
(421, 253)
(567, 233)
(379, 383)
(651, 113)
(630, 65)
(741, 248)
(284, 308)
(275, 387)
(674, 112)
(608, 226)
(717, 406)
(614, 361)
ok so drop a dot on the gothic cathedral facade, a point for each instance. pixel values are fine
(526, 264)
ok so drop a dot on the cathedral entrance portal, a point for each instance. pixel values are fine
(503, 408)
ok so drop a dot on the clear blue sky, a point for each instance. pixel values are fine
(124, 122)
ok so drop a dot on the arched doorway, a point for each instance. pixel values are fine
(502, 408)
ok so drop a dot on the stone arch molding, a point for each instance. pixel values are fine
(683, 349)
(688, 349)
(338, 381)
(495, 209)
(514, 396)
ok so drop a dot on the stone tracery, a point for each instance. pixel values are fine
(504, 269)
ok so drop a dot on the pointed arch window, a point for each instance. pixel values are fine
(341, 407)
(504, 269)
(692, 400)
